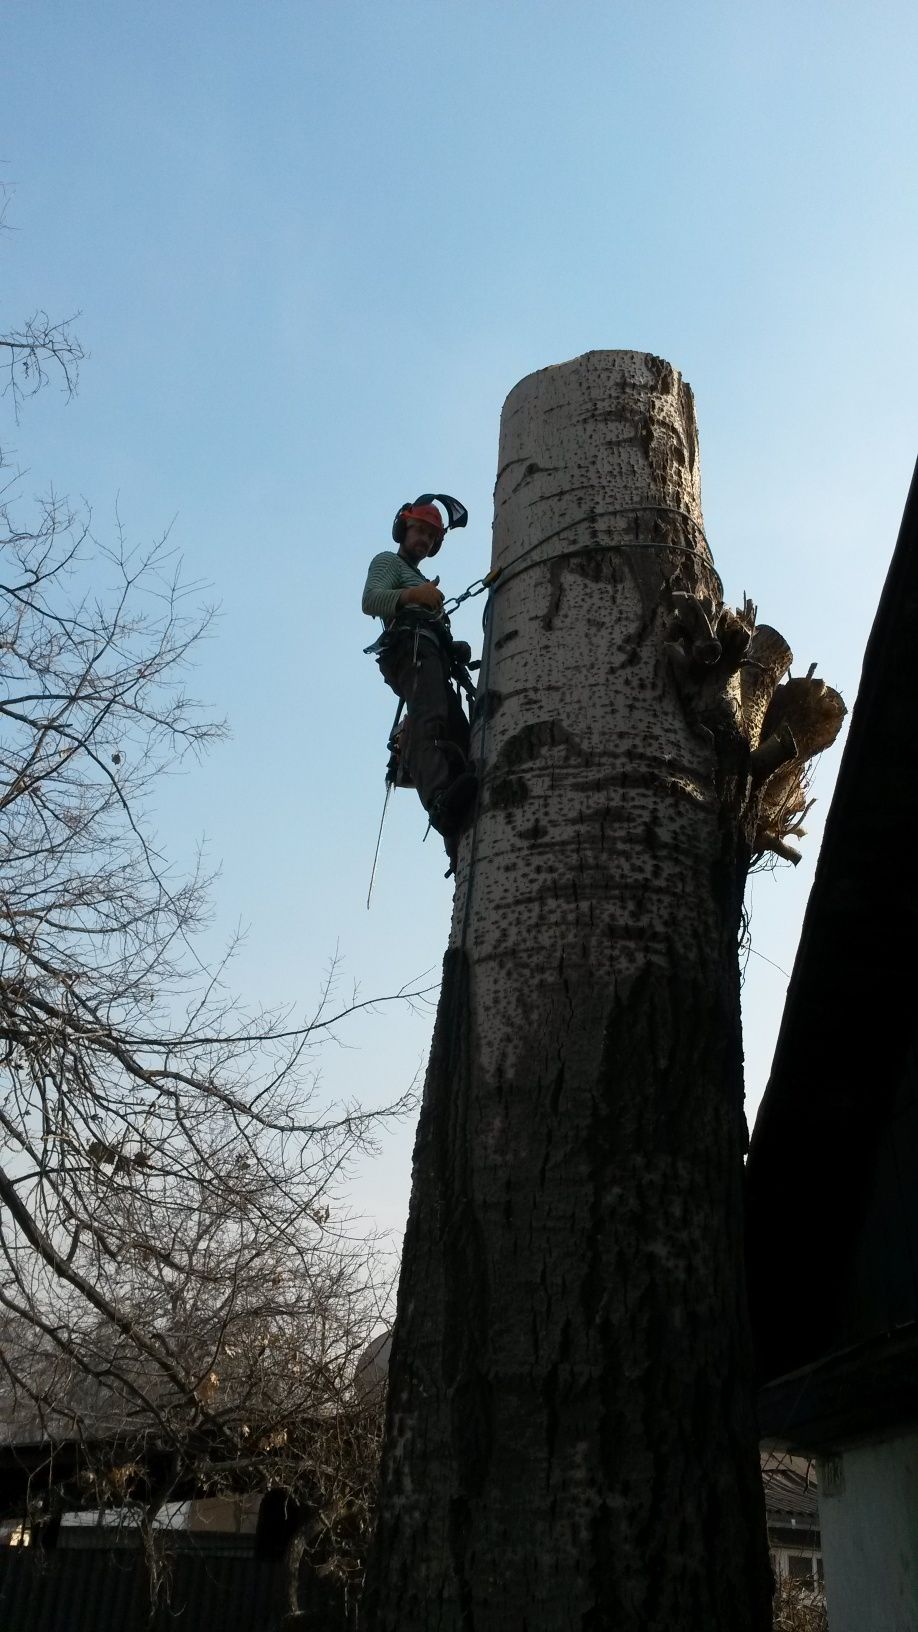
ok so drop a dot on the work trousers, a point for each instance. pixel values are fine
(417, 668)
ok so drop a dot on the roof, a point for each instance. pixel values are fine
(848, 1030)
(790, 1492)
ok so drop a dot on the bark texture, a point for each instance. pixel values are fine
(570, 1440)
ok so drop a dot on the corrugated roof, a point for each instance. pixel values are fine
(790, 1494)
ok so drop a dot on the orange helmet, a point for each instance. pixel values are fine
(426, 513)
(423, 509)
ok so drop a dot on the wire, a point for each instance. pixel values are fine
(635, 544)
(757, 954)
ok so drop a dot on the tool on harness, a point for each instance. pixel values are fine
(382, 821)
(458, 653)
(412, 626)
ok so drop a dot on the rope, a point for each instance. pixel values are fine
(483, 677)
(493, 579)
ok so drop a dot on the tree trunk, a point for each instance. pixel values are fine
(571, 1440)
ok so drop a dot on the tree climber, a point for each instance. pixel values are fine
(418, 658)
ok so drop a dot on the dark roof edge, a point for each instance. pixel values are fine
(850, 1004)
(869, 693)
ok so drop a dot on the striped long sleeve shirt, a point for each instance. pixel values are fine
(389, 574)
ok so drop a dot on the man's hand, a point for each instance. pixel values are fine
(422, 595)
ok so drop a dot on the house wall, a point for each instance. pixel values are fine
(868, 1508)
(798, 1562)
(224, 1515)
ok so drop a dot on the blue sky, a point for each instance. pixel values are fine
(314, 245)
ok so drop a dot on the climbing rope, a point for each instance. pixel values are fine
(490, 579)
(482, 692)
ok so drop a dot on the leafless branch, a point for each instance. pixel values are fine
(179, 1280)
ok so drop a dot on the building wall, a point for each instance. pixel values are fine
(224, 1515)
(868, 1508)
(797, 1564)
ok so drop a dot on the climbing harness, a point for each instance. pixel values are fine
(397, 773)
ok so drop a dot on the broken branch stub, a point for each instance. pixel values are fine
(735, 680)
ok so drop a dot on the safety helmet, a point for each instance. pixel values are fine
(426, 513)
(423, 509)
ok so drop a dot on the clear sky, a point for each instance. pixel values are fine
(315, 244)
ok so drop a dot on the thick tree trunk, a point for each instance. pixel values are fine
(571, 1440)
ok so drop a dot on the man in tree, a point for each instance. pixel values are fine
(417, 657)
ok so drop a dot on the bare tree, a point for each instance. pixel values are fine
(182, 1295)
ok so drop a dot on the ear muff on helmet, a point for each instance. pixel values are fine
(456, 513)
(405, 513)
(400, 523)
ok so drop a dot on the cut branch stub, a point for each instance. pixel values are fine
(811, 714)
(692, 623)
(813, 710)
(773, 752)
(778, 847)
(767, 661)
(734, 632)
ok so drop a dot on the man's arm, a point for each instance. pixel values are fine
(385, 589)
(382, 590)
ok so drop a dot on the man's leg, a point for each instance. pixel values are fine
(458, 728)
(427, 694)
(435, 717)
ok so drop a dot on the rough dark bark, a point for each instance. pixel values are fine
(571, 1440)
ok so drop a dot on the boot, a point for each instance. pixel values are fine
(449, 810)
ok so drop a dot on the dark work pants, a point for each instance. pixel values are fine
(434, 711)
